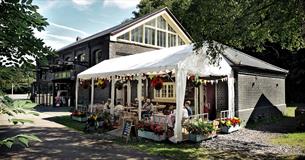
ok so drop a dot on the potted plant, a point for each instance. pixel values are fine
(79, 116)
(229, 125)
(200, 129)
(153, 131)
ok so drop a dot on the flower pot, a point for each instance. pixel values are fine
(151, 135)
(79, 119)
(200, 137)
(226, 129)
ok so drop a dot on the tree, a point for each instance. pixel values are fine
(240, 24)
(18, 45)
(18, 48)
(11, 108)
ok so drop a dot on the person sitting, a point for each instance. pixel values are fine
(147, 107)
(107, 105)
(187, 106)
(118, 109)
(136, 104)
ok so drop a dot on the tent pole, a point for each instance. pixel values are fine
(196, 100)
(146, 87)
(180, 82)
(231, 97)
(139, 94)
(92, 94)
(128, 93)
(201, 103)
(112, 95)
(76, 93)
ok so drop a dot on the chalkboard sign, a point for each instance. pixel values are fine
(126, 129)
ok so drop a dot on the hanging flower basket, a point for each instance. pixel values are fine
(119, 84)
(196, 81)
(101, 83)
(157, 83)
(85, 84)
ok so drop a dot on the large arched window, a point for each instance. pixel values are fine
(68, 59)
(98, 56)
(81, 57)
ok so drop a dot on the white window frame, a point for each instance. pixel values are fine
(156, 29)
(166, 98)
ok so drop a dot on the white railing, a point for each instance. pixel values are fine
(204, 116)
(224, 114)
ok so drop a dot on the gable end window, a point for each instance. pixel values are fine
(156, 32)
(137, 34)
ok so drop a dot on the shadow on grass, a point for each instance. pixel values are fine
(68, 122)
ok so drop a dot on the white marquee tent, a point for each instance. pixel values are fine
(182, 61)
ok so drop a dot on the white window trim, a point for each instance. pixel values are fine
(166, 98)
(168, 20)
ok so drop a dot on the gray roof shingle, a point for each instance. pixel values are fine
(239, 58)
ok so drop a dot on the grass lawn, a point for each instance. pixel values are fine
(68, 122)
(292, 139)
(289, 112)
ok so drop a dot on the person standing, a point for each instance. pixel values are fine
(187, 106)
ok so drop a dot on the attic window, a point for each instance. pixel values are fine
(124, 36)
(156, 32)
(137, 34)
(151, 23)
(170, 29)
(180, 41)
(161, 23)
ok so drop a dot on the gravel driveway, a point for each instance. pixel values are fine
(253, 141)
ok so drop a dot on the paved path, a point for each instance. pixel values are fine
(62, 143)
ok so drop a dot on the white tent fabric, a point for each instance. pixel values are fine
(183, 60)
(156, 61)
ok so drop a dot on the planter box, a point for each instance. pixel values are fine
(225, 129)
(200, 137)
(80, 119)
(151, 135)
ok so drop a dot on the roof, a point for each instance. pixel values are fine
(239, 58)
(159, 61)
(122, 26)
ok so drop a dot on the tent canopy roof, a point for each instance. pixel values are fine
(165, 60)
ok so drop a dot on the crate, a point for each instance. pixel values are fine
(151, 135)
(225, 129)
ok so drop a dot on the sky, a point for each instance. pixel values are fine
(71, 18)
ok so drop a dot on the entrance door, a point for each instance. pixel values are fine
(210, 97)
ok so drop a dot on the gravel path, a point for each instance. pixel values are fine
(59, 142)
(257, 142)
